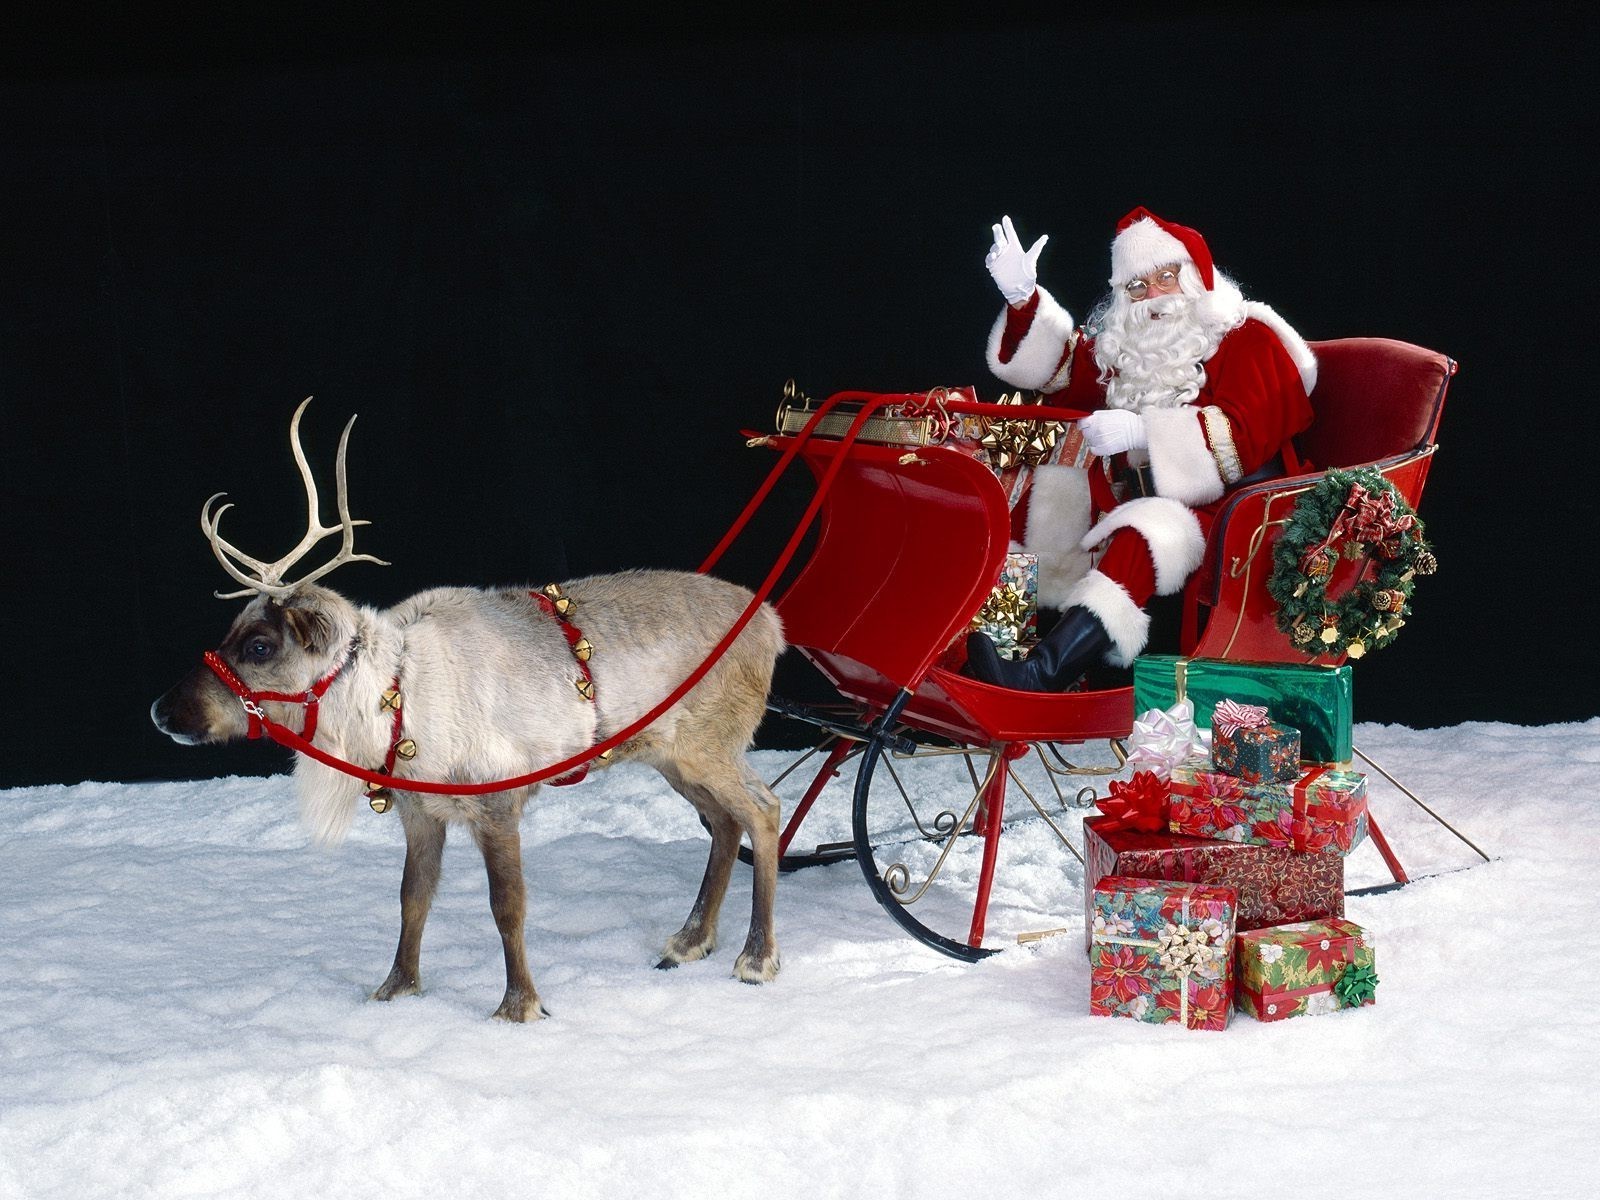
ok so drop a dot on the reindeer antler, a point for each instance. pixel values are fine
(268, 578)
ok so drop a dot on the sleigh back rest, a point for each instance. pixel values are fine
(1375, 398)
(1377, 402)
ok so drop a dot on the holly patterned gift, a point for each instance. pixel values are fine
(1323, 811)
(1248, 746)
(1275, 884)
(1162, 952)
(1304, 969)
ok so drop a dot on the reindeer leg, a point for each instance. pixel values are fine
(698, 937)
(424, 852)
(729, 802)
(501, 843)
(758, 810)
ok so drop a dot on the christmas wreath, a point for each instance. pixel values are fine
(1350, 514)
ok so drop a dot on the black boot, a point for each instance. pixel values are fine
(1065, 653)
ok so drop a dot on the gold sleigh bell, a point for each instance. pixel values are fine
(564, 604)
(380, 797)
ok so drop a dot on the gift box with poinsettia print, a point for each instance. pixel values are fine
(1249, 746)
(1162, 952)
(1324, 811)
(1318, 701)
(1275, 885)
(1305, 968)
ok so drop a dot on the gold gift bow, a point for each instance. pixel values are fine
(1182, 950)
(1005, 605)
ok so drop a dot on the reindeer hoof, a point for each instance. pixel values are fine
(396, 986)
(685, 947)
(521, 1009)
(751, 968)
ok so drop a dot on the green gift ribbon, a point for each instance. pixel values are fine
(1356, 986)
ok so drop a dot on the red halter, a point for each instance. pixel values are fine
(253, 700)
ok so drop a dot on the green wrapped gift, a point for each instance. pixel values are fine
(1315, 700)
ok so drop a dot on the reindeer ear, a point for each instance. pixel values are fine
(310, 627)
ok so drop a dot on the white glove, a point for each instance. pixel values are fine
(1015, 270)
(1113, 431)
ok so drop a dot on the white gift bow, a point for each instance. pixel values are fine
(1165, 739)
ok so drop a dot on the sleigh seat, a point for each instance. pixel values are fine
(1377, 404)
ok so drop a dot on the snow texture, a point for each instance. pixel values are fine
(184, 981)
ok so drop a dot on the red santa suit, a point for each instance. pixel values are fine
(1252, 400)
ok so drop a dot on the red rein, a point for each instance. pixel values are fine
(260, 722)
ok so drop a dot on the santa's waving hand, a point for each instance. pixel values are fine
(1015, 270)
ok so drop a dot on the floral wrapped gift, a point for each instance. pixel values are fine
(1162, 952)
(1010, 615)
(1323, 811)
(1249, 746)
(1304, 969)
(1317, 701)
(1275, 885)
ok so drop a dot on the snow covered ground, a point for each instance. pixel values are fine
(183, 1012)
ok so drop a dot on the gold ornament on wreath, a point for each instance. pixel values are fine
(1354, 515)
(1017, 441)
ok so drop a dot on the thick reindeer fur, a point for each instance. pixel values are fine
(488, 687)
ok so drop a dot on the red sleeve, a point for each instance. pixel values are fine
(1018, 321)
(1257, 387)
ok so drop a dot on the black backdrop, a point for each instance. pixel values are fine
(557, 267)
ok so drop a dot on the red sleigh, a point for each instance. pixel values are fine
(909, 543)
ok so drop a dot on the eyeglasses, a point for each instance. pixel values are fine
(1164, 281)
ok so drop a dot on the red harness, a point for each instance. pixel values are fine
(252, 700)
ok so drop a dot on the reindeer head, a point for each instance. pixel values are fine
(293, 636)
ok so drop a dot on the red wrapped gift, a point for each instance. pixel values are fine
(1275, 885)
(1323, 811)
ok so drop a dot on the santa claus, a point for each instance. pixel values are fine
(1191, 390)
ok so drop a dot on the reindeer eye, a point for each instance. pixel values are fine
(259, 649)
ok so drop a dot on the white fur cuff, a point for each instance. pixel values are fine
(1039, 353)
(1125, 621)
(1170, 530)
(1182, 463)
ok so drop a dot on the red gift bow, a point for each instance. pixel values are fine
(1229, 717)
(1366, 518)
(1140, 803)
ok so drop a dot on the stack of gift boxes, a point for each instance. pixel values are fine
(1216, 880)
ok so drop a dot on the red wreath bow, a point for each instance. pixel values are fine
(1140, 803)
(1366, 517)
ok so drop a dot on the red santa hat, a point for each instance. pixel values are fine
(1144, 242)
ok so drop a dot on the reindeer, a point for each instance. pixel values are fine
(473, 685)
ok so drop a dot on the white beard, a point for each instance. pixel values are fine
(1152, 353)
